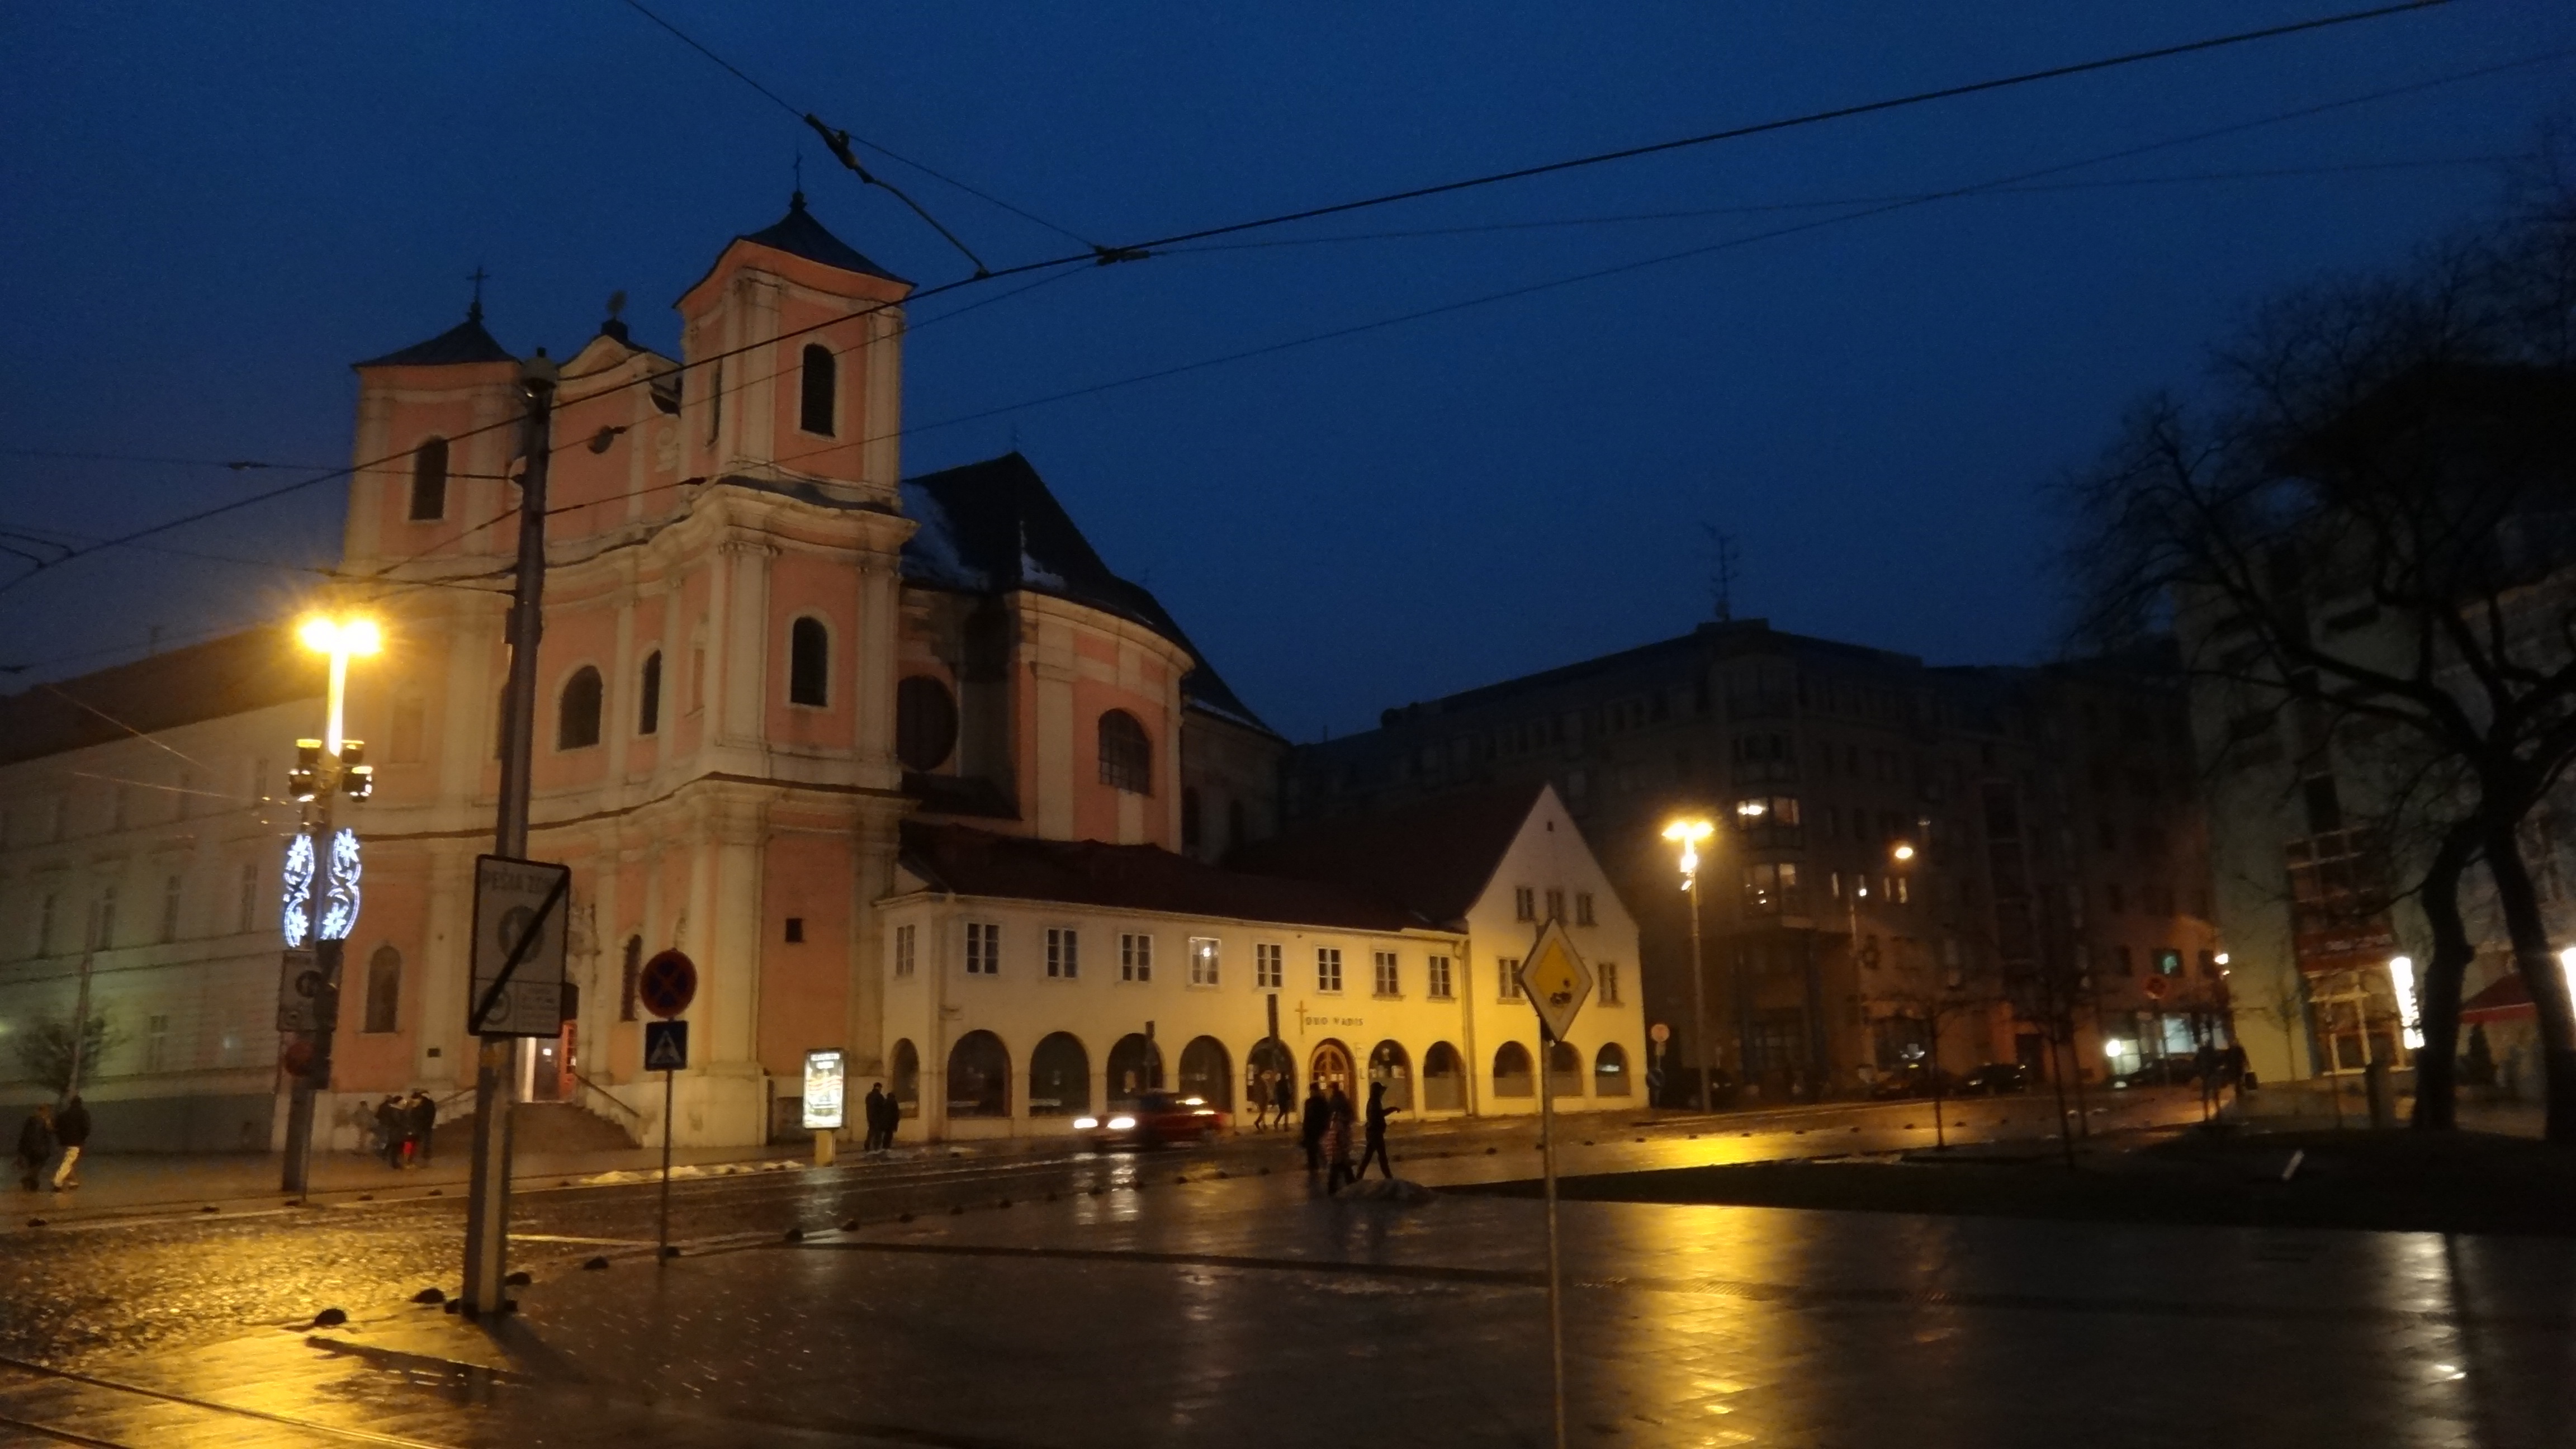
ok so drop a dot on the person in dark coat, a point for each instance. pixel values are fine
(35, 1144)
(392, 1123)
(1375, 1132)
(71, 1129)
(1338, 1132)
(420, 1123)
(1319, 1115)
(878, 1136)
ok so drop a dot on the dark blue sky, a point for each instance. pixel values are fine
(207, 212)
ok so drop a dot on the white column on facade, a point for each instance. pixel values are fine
(1052, 684)
(446, 938)
(762, 368)
(362, 539)
(744, 649)
(881, 460)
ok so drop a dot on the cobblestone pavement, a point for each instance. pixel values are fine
(1233, 1305)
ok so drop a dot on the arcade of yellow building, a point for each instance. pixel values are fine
(901, 763)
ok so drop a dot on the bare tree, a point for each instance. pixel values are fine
(2364, 539)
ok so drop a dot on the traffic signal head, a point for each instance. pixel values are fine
(352, 752)
(305, 780)
(358, 781)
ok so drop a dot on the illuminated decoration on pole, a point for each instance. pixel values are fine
(340, 898)
(2401, 984)
(299, 891)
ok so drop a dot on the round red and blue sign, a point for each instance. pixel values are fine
(667, 984)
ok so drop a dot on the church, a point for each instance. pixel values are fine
(901, 763)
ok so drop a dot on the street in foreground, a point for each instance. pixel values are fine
(1113, 1304)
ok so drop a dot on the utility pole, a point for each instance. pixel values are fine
(323, 767)
(487, 1207)
(326, 1001)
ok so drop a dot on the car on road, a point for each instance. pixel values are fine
(1911, 1080)
(1996, 1079)
(1159, 1119)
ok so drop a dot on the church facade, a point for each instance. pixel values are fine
(876, 752)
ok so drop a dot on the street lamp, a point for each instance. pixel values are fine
(2401, 984)
(1688, 834)
(322, 867)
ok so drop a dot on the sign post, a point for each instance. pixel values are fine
(1557, 984)
(666, 985)
(514, 989)
(826, 1090)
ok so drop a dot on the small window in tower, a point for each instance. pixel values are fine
(809, 662)
(577, 725)
(795, 930)
(1126, 754)
(429, 480)
(822, 387)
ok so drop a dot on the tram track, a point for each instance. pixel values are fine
(125, 1397)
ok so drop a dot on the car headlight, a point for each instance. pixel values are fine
(1204, 1112)
(1121, 1124)
(1085, 1124)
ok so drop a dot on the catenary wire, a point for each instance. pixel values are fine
(1137, 251)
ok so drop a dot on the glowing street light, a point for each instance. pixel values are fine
(341, 639)
(2401, 984)
(1902, 852)
(1688, 833)
(322, 899)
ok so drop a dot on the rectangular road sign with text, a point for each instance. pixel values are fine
(521, 908)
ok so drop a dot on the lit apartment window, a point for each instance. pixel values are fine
(983, 948)
(1328, 968)
(1583, 908)
(1269, 973)
(1524, 904)
(1135, 958)
(1203, 953)
(1507, 975)
(1390, 981)
(905, 949)
(1064, 953)
(1441, 986)
(1608, 971)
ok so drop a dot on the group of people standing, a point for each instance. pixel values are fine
(404, 1126)
(46, 1130)
(885, 1114)
(1329, 1123)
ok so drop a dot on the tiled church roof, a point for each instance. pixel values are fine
(799, 235)
(465, 342)
(239, 672)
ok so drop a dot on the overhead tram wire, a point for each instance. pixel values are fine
(1863, 213)
(1137, 251)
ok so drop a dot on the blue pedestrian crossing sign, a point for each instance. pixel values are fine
(666, 1046)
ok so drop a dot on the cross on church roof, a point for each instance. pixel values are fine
(478, 277)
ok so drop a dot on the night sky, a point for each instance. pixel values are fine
(208, 212)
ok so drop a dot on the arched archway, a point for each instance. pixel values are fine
(1565, 1070)
(1444, 1079)
(904, 1077)
(1513, 1076)
(1135, 1068)
(1330, 1066)
(1610, 1071)
(979, 1076)
(1391, 1067)
(1269, 1068)
(1207, 1072)
(1059, 1077)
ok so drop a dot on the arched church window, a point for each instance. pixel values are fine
(822, 386)
(429, 480)
(648, 696)
(925, 723)
(384, 989)
(1126, 754)
(577, 723)
(809, 662)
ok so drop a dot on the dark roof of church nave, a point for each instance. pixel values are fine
(994, 527)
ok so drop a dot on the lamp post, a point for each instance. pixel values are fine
(322, 766)
(1688, 834)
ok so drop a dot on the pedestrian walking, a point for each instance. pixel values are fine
(2204, 1067)
(2236, 1068)
(1262, 1099)
(1319, 1115)
(1375, 1140)
(1338, 1132)
(71, 1129)
(1287, 1098)
(420, 1127)
(392, 1126)
(35, 1144)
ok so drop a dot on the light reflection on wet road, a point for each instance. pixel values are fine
(1239, 1308)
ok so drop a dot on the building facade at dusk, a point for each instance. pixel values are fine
(2008, 854)
(788, 700)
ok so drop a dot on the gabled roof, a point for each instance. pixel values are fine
(971, 862)
(466, 342)
(227, 676)
(799, 235)
(1436, 856)
(995, 528)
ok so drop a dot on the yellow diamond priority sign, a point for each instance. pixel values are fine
(1556, 979)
